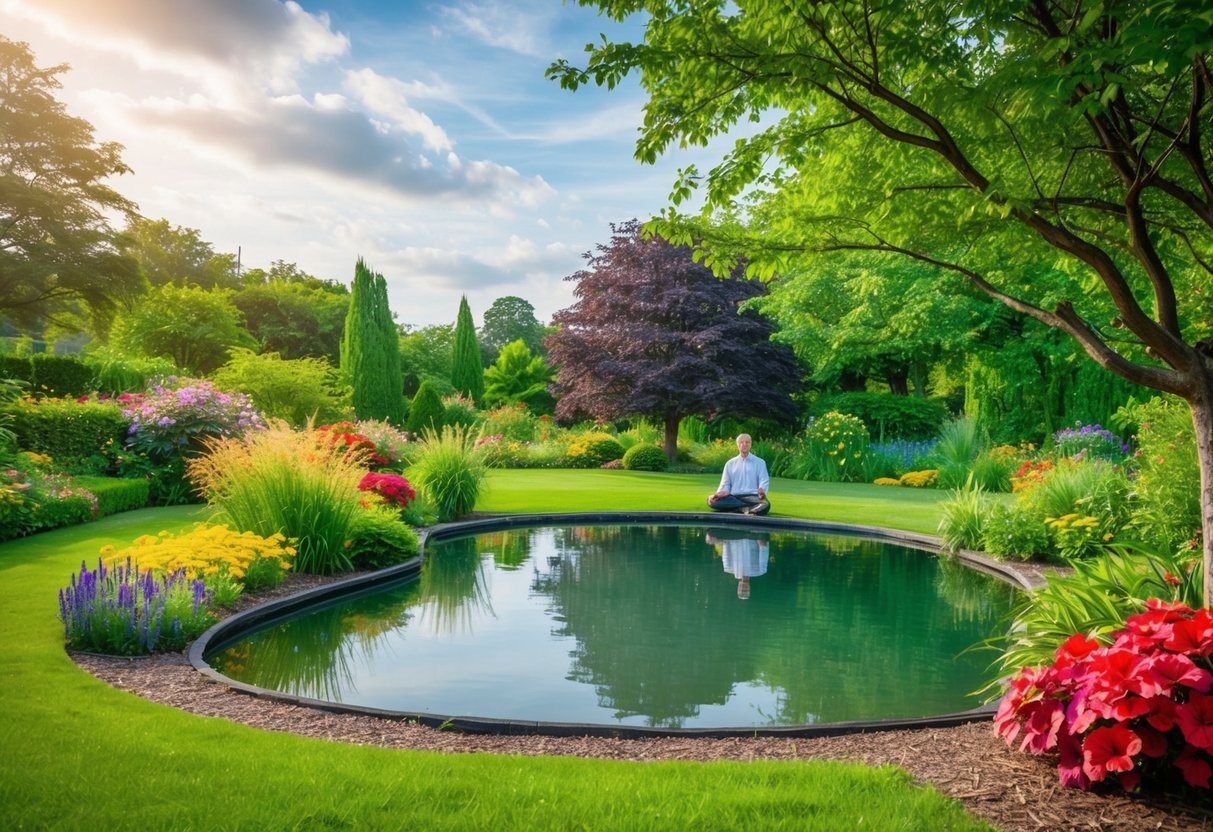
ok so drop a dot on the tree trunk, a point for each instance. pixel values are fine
(1202, 420)
(671, 435)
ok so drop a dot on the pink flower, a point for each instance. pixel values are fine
(1167, 670)
(1069, 769)
(1110, 748)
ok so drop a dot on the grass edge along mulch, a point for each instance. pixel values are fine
(79, 754)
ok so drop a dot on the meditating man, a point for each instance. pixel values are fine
(744, 483)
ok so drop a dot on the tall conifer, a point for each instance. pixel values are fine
(467, 370)
(370, 350)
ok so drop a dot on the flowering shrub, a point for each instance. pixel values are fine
(1137, 708)
(31, 500)
(168, 421)
(591, 450)
(392, 488)
(837, 443)
(1077, 535)
(1090, 441)
(1030, 474)
(344, 437)
(392, 445)
(125, 611)
(211, 552)
(919, 479)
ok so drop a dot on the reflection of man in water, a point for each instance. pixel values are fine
(743, 558)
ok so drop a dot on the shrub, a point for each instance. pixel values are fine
(887, 415)
(344, 438)
(277, 481)
(1090, 442)
(115, 372)
(919, 479)
(460, 411)
(67, 430)
(1012, 531)
(514, 422)
(591, 450)
(393, 490)
(645, 458)
(392, 445)
(125, 611)
(450, 471)
(713, 455)
(1168, 474)
(960, 443)
(32, 500)
(60, 375)
(378, 539)
(1137, 708)
(1084, 504)
(426, 410)
(832, 451)
(168, 422)
(296, 390)
(211, 551)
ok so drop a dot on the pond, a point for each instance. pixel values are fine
(669, 626)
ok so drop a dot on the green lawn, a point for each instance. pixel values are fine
(78, 754)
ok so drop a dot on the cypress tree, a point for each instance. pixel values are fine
(467, 369)
(426, 411)
(370, 350)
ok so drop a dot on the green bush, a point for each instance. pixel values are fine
(426, 411)
(1010, 531)
(713, 455)
(964, 518)
(645, 458)
(60, 375)
(514, 422)
(1084, 504)
(1168, 473)
(379, 539)
(115, 494)
(115, 373)
(833, 450)
(459, 411)
(17, 368)
(66, 430)
(888, 416)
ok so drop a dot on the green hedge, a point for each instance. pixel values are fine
(65, 430)
(888, 416)
(645, 458)
(61, 376)
(17, 368)
(115, 495)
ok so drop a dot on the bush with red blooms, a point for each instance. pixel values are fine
(345, 436)
(1138, 708)
(393, 488)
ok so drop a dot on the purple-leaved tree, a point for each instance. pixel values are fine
(655, 334)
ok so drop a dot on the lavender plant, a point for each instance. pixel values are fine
(1090, 442)
(123, 611)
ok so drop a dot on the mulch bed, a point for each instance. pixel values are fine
(1015, 792)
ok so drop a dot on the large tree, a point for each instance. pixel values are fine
(370, 354)
(1054, 155)
(467, 368)
(197, 328)
(655, 334)
(510, 319)
(173, 254)
(58, 253)
(296, 320)
(425, 355)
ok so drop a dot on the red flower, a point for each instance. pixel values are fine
(1167, 670)
(1195, 768)
(1162, 713)
(1195, 720)
(1194, 636)
(1110, 748)
(1069, 770)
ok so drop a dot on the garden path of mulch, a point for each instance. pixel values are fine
(1013, 791)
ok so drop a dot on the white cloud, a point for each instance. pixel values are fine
(518, 29)
(388, 97)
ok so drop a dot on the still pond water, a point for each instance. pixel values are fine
(658, 625)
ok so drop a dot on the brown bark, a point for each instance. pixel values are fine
(1201, 403)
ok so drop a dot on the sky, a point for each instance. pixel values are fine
(422, 137)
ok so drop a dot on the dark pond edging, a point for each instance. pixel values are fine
(237, 626)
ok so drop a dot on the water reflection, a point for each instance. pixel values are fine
(743, 555)
(643, 625)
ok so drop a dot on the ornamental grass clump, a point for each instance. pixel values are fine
(450, 471)
(1137, 709)
(280, 481)
(125, 611)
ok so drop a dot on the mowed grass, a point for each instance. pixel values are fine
(520, 491)
(78, 754)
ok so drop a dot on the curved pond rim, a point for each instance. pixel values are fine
(237, 626)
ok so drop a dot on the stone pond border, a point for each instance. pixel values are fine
(1023, 576)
